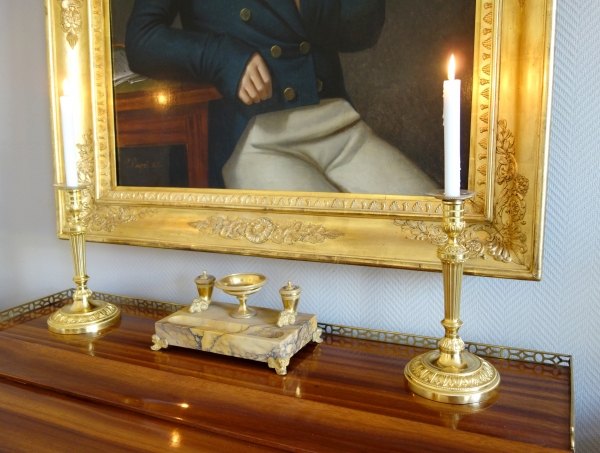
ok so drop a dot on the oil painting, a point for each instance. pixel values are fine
(288, 95)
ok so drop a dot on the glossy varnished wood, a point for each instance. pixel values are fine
(342, 395)
(168, 115)
(36, 420)
(163, 94)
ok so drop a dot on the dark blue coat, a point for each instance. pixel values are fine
(217, 41)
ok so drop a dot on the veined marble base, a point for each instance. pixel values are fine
(257, 338)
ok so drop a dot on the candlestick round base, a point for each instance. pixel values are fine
(476, 382)
(100, 316)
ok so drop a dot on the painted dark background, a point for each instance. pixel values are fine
(396, 86)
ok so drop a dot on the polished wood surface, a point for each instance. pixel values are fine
(36, 420)
(163, 114)
(342, 395)
(163, 95)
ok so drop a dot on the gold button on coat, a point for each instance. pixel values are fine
(289, 94)
(305, 47)
(319, 85)
(245, 14)
(275, 51)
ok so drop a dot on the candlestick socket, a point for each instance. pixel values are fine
(205, 284)
(290, 296)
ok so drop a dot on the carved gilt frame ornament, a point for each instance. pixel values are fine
(70, 20)
(264, 229)
(507, 166)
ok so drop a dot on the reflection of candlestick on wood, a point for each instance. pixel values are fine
(451, 414)
(452, 132)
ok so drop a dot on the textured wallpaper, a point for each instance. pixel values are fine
(559, 314)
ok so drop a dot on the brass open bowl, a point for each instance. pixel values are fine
(241, 286)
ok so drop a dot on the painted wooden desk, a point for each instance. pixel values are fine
(112, 393)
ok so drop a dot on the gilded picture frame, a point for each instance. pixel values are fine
(510, 119)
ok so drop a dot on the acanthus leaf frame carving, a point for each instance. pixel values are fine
(502, 239)
(99, 217)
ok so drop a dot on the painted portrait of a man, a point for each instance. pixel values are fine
(285, 120)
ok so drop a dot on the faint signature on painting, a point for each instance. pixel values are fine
(137, 164)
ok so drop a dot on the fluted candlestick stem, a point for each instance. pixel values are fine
(84, 315)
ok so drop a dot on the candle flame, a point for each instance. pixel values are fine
(451, 68)
(66, 87)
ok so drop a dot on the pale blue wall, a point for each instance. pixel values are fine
(560, 314)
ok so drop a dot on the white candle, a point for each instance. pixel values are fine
(452, 133)
(68, 136)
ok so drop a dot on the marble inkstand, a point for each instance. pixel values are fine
(260, 334)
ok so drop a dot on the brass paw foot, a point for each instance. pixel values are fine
(280, 365)
(316, 336)
(159, 343)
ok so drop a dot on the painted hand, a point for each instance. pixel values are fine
(255, 85)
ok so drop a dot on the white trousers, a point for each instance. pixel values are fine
(321, 148)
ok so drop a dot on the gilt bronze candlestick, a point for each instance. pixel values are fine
(84, 315)
(450, 374)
